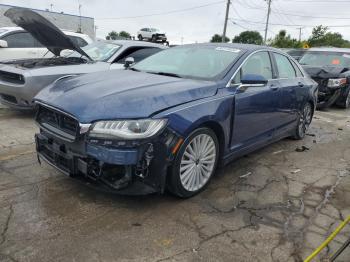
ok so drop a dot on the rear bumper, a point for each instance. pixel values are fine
(132, 171)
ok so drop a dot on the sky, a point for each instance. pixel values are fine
(189, 21)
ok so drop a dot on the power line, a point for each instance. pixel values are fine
(280, 24)
(296, 15)
(163, 13)
(316, 1)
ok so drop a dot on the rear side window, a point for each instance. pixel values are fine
(138, 53)
(20, 40)
(284, 67)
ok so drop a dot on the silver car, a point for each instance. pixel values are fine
(21, 80)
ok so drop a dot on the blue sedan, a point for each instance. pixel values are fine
(168, 121)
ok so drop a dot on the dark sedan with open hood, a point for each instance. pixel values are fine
(330, 68)
(170, 119)
(21, 80)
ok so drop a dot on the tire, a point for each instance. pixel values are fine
(153, 39)
(196, 170)
(346, 102)
(140, 37)
(304, 121)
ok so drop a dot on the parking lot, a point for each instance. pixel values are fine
(277, 204)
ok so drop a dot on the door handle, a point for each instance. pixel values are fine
(300, 84)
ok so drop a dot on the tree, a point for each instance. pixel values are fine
(113, 35)
(321, 37)
(124, 34)
(248, 37)
(218, 39)
(283, 40)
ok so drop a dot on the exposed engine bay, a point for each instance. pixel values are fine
(46, 62)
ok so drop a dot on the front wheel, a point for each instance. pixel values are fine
(195, 163)
(346, 102)
(304, 121)
(140, 37)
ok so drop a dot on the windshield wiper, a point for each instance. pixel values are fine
(165, 74)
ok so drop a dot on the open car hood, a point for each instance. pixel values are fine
(42, 30)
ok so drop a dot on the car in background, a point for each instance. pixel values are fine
(22, 79)
(169, 120)
(296, 53)
(151, 34)
(330, 68)
(16, 43)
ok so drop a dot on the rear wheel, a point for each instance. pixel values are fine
(304, 121)
(153, 39)
(194, 164)
(140, 37)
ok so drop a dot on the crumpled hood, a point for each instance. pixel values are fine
(122, 94)
(325, 71)
(42, 30)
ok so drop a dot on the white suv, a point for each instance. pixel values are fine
(16, 43)
(152, 34)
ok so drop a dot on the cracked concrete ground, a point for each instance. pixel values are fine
(276, 204)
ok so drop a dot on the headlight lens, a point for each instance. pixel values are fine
(336, 82)
(127, 129)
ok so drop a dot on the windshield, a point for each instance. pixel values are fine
(325, 59)
(98, 51)
(205, 63)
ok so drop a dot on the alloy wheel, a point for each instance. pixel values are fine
(198, 162)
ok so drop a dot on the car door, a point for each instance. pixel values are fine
(289, 82)
(255, 107)
(20, 45)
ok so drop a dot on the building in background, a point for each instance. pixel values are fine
(61, 20)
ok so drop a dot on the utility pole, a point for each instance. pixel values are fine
(300, 28)
(226, 18)
(51, 5)
(80, 31)
(267, 20)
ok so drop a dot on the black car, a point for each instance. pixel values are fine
(330, 68)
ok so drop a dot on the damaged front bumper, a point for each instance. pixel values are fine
(124, 167)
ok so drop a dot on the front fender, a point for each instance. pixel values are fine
(185, 118)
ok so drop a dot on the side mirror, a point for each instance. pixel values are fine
(128, 62)
(3, 44)
(253, 80)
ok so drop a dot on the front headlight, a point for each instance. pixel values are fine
(336, 82)
(127, 129)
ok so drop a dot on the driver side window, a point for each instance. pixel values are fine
(257, 64)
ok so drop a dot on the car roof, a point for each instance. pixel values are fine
(330, 49)
(126, 43)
